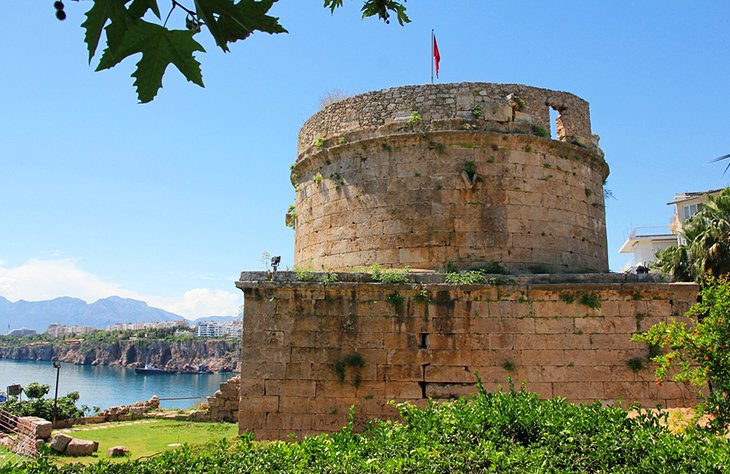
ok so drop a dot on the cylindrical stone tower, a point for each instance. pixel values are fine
(451, 176)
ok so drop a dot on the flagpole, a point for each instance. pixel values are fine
(432, 56)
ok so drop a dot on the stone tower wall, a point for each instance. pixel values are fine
(470, 183)
(313, 349)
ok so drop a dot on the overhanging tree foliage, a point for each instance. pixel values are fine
(130, 27)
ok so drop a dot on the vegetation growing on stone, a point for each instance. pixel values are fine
(414, 119)
(353, 360)
(389, 275)
(470, 277)
(589, 299)
(540, 132)
(304, 273)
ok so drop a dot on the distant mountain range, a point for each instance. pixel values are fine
(75, 312)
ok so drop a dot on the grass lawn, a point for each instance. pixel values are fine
(145, 437)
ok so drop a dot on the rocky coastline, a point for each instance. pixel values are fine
(188, 355)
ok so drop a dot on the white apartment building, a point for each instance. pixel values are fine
(180, 323)
(58, 330)
(645, 242)
(230, 329)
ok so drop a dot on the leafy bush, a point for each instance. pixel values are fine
(36, 405)
(470, 277)
(699, 354)
(389, 275)
(503, 431)
(304, 274)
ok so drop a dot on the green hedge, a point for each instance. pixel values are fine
(506, 431)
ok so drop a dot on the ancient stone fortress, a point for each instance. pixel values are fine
(441, 178)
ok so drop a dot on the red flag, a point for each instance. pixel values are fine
(436, 55)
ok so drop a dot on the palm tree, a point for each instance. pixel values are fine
(674, 263)
(707, 248)
(708, 237)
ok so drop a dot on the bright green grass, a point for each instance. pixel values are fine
(146, 437)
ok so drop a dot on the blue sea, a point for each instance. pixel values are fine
(109, 386)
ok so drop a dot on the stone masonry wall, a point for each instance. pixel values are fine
(473, 179)
(535, 205)
(365, 113)
(313, 349)
(223, 404)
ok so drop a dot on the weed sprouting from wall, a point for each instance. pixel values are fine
(390, 275)
(470, 168)
(590, 299)
(353, 360)
(329, 278)
(396, 300)
(540, 132)
(423, 297)
(636, 364)
(567, 298)
(471, 277)
(305, 274)
(508, 365)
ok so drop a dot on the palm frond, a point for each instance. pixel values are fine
(720, 158)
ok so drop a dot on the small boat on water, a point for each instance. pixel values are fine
(152, 370)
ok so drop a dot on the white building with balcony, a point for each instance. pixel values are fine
(645, 242)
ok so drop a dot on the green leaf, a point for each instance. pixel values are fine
(253, 17)
(160, 47)
(208, 10)
(138, 8)
(98, 15)
(382, 9)
(229, 22)
(332, 4)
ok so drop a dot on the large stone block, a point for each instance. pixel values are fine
(35, 426)
(81, 447)
(59, 442)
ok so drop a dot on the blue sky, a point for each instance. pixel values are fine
(169, 201)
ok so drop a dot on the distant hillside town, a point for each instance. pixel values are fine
(206, 329)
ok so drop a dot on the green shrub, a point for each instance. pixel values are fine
(305, 274)
(503, 431)
(42, 407)
(470, 277)
(389, 275)
(699, 354)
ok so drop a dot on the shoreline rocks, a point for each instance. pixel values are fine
(186, 356)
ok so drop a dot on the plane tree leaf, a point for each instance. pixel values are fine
(100, 13)
(159, 47)
(229, 22)
(138, 8)
(380, 8)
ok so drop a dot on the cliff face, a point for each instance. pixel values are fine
(186, 356)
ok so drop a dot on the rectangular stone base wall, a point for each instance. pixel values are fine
(310, 350)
